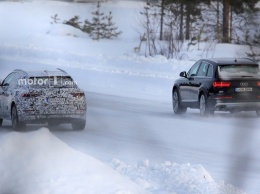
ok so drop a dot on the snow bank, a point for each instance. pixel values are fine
(38, 162)
(173, 178)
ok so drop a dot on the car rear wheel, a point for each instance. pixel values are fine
(177, 108)
(78, 124)
(205, 110)
(16, 124)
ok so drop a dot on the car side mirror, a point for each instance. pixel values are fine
(183, 74)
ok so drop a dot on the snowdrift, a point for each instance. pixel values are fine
(38, 162)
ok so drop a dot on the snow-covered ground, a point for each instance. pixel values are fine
(132, 142)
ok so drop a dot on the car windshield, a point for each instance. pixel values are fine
(48, 81)
(245, 71)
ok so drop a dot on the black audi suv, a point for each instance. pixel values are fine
(218, 85)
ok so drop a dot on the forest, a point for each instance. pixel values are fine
(168, 24)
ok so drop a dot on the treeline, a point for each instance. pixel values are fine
(169, 23)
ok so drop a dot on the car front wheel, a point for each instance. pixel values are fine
(1, 122)
(16, 124)
(177, 108)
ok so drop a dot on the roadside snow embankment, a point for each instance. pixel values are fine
(173, 178)
(38, 162)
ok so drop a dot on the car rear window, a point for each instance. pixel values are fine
(233, 71)
(49, 81)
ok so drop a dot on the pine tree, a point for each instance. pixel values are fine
(98, 25)
(189, 12)
(226, 14)
(74, 22)
(192, 12)
(87, 27)
(254, 45)
(101, 26)
(241, 6)
(110, 30)
(55, 18)
(163, 6)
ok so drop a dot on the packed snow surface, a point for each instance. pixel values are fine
(129, 103)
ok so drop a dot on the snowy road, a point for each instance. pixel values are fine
(133, 130)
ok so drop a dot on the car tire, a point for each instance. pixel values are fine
(1, 122)
(177, 108)
(16, 124)
(52, 124)
(235, 112)
(205, 110)
(78, 124)
(258, 113)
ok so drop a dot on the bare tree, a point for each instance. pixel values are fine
(151, 27)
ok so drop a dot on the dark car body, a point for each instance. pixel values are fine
(218, 84)
(42, 96)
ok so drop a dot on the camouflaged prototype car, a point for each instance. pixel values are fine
(50, 97)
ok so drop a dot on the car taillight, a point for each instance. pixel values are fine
(77, 94)
(258, 83)
(221, 84)
(25, 95)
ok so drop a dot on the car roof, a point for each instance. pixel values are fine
(43, 73)
(227, 61)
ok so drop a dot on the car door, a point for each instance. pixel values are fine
(183, 89)
(189, 85)
(1, 99)
(9, 83)
(198, 80)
